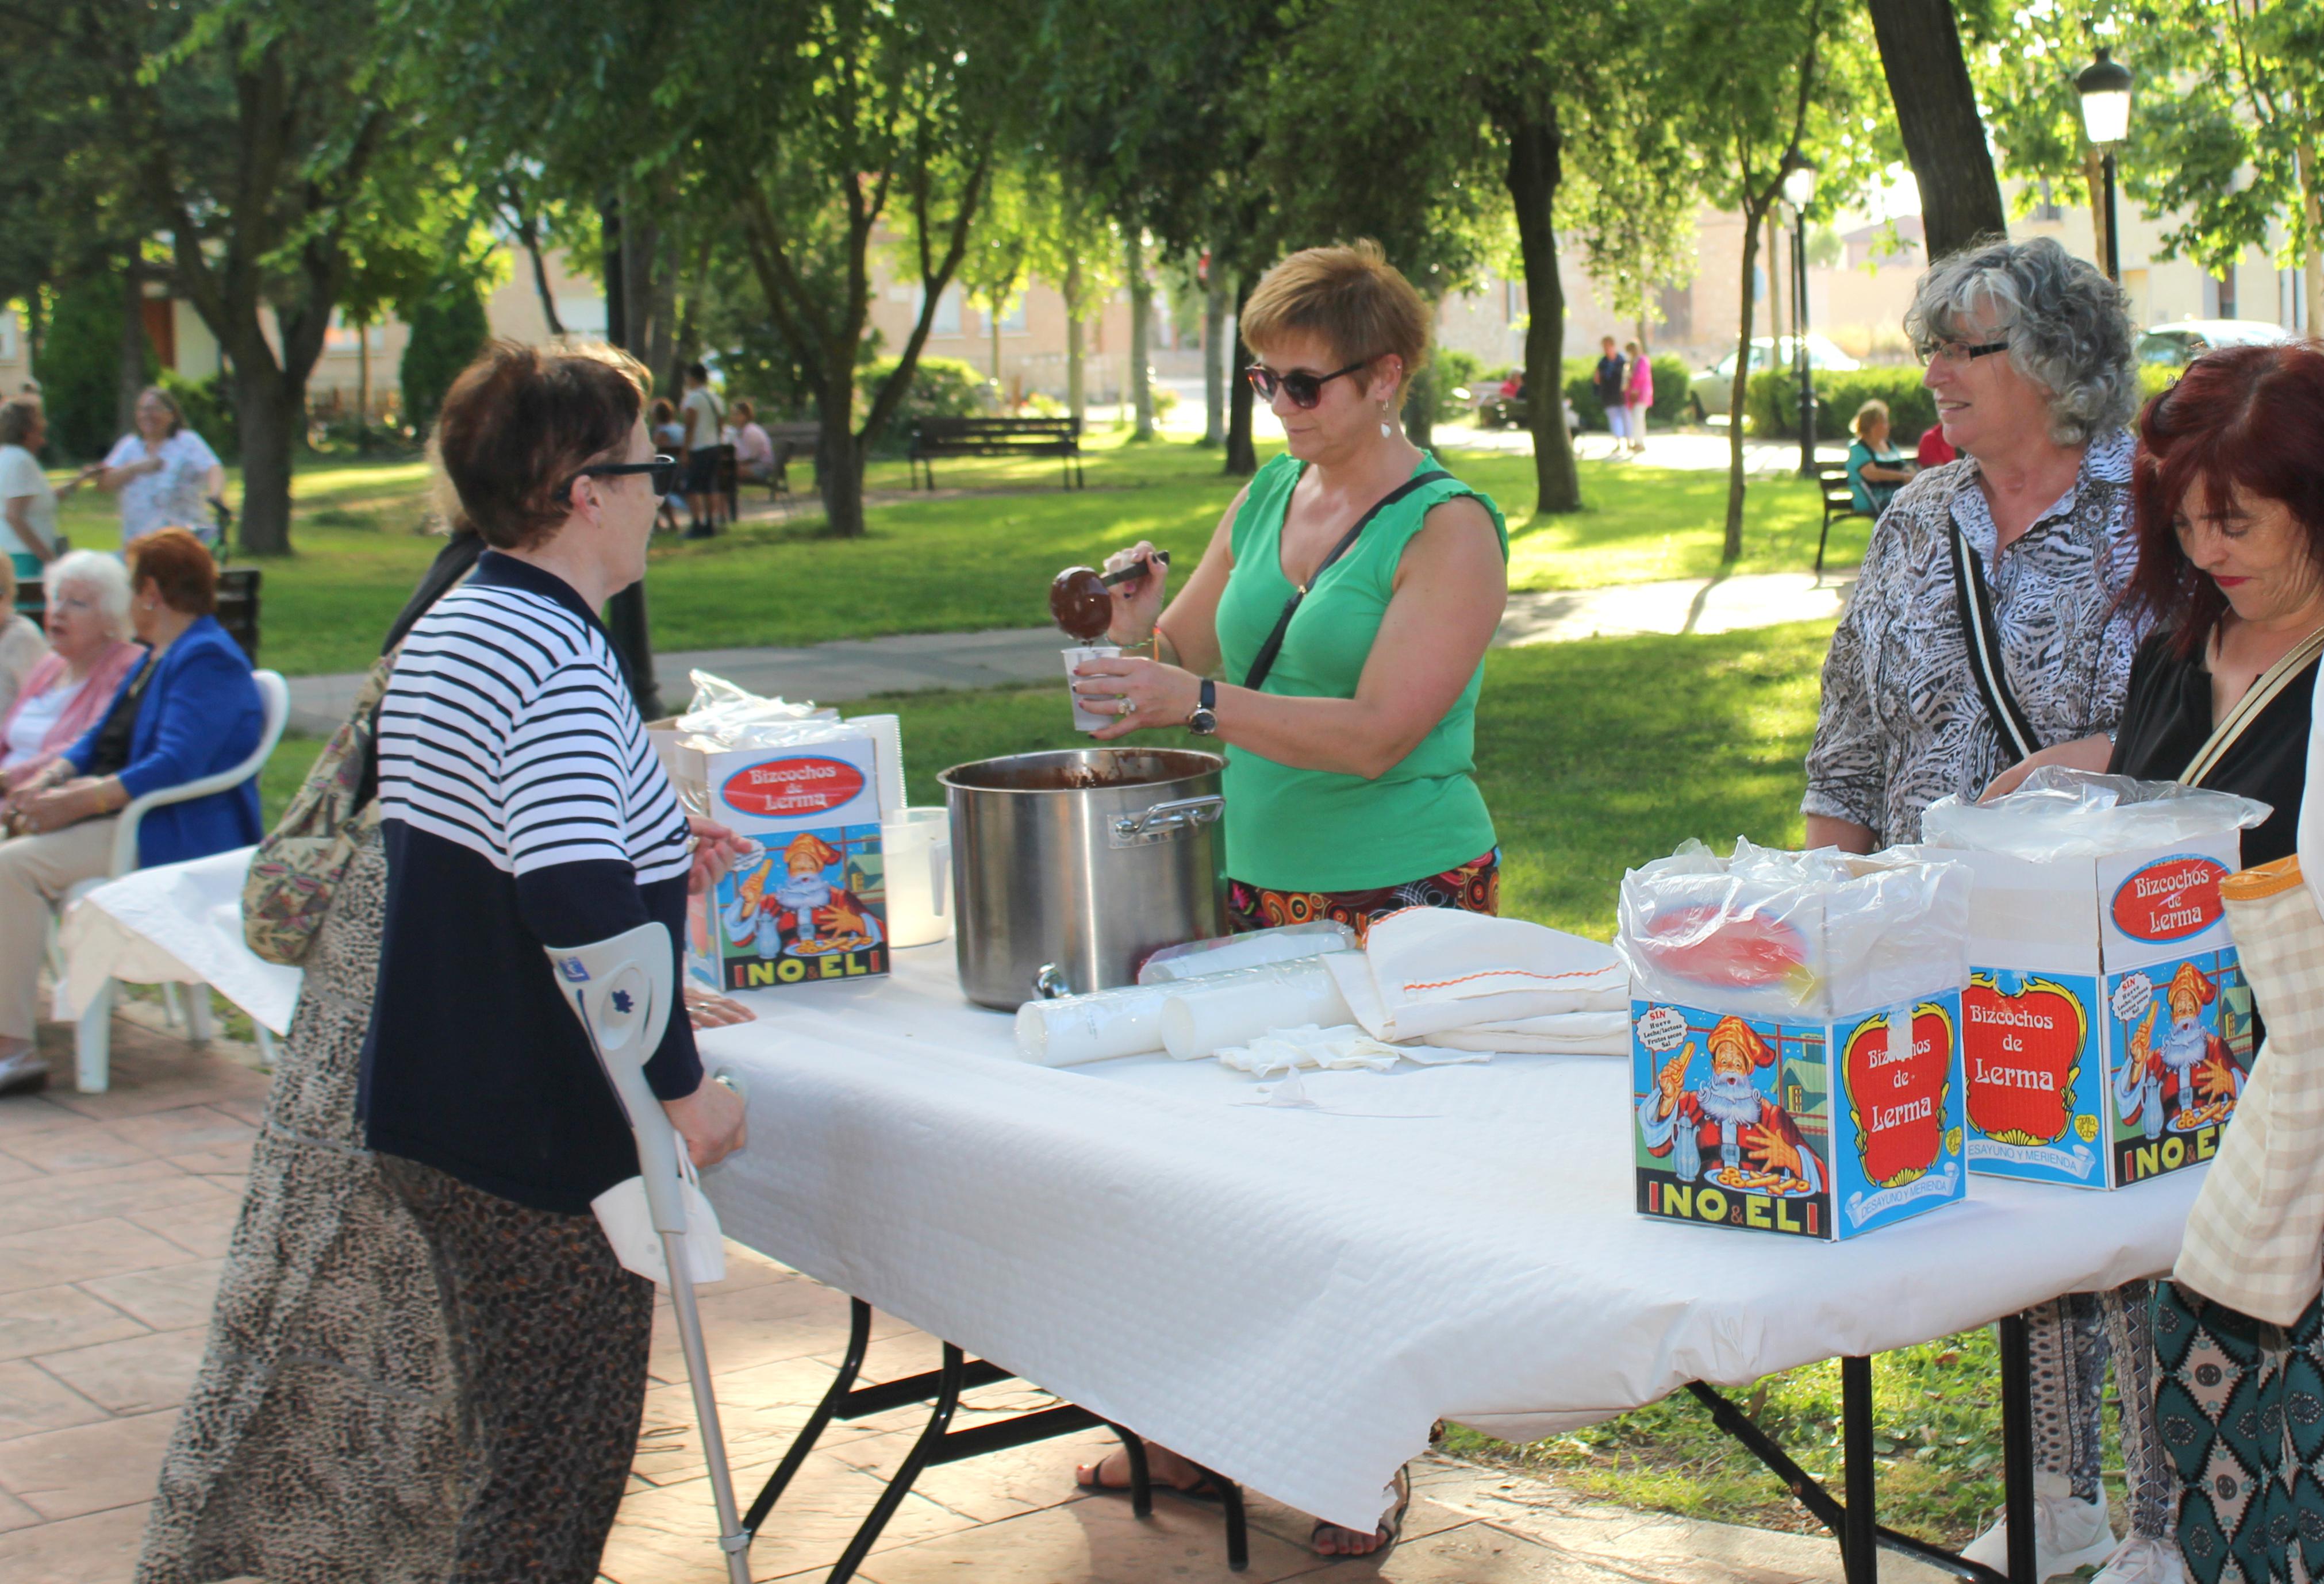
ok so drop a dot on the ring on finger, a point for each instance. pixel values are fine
(1128, 707)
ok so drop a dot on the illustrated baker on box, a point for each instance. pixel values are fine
(1727, 1114)
(807, 905)
(2190, 1067)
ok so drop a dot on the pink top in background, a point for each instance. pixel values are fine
(1640, 390)
(103, 680)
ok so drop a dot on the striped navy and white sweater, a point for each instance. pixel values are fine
(521, 807)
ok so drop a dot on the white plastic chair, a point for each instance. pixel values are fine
(93, 1041)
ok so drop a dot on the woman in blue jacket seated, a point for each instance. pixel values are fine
(189, 710)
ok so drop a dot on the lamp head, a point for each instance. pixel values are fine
(2105, 88)
(1799, 180)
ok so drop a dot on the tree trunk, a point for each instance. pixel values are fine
(1215, 374)
(531, 238)
(1141, 313)
(992, 322)
(641, 242)
(839, 456)
(363, 386)
(131, 383)
(2312, 199)
(1936, 112)
(1076, 345)
(1774, 283)
(268, 406)
(662, 330)
(1737, 398)
(2094, 176)
(1242, 456)
(625, 612)
(1535, 168)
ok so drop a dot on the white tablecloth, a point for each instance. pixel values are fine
(1292, 1295)
(173, 924)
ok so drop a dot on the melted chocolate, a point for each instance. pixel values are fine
(1080, 604)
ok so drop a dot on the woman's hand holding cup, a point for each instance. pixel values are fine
(1137, 694)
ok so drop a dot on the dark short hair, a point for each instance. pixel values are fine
(742, 410)
(521, 421)
(18, 415)
(695, 370)
(2242, 415)
(179, 567)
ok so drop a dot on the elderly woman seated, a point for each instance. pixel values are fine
(85, 658)
(189, 710)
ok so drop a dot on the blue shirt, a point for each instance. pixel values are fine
(200, 714)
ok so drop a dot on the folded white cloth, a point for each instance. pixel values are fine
(1286, 1050)
(1427, 970)
(1586, 1033)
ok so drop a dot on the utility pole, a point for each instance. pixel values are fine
(625, 612)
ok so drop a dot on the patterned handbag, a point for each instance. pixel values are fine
(295, 873)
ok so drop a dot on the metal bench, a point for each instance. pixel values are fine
(237, 606)
(1838, 500)
(996, 436)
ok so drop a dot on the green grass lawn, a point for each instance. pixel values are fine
(1596, 756)
(980, 559)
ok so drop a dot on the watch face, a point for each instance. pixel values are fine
(1202, 723)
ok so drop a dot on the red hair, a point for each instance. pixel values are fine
(2242, 415)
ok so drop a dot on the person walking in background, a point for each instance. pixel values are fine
(166, 475)
(702, 414)
(1638, 395)
(27, 498)
(1608, 382)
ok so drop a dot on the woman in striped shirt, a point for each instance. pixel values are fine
(522, 808)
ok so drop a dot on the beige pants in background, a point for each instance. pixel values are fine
(35, 872)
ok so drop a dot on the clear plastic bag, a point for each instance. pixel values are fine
(723, 715)
(1772, 933)
(1252, 949)
(2059, 812)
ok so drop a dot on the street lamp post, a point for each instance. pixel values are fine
(1799, 191)
(2105, 88)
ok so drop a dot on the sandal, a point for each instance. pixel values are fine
(1204, 1490)
(1390, 1529)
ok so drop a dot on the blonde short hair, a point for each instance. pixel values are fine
(1352, 296)
(1873, 408)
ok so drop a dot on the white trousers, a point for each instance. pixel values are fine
(35, 872)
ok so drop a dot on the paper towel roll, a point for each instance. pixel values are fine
(1200, 1018)
(1094, 1027)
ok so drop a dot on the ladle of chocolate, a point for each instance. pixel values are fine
(1080, 600)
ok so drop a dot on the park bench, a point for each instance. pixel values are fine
(1838, 500)
(237, 606)
(996, 436)
(792, 439)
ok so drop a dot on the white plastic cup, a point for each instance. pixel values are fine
(1084, 720)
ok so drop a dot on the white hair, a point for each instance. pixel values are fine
(105, 573)
(2065, 323)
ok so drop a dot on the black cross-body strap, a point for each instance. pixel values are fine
(1265, 662)
(2018, 739)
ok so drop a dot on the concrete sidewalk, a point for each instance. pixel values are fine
(857, 668)
(120, 1206)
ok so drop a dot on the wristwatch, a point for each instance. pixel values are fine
(1204, 719)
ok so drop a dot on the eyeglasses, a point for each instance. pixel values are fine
(663, 470)
(1304, 388)
(1956, 351)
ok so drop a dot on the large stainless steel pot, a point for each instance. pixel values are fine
(1070, 869)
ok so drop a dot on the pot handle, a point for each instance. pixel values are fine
(1049, 983)
(1162, 818)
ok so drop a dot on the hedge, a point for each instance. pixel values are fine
(1773, 403)
(1670, 380)
(447, 329)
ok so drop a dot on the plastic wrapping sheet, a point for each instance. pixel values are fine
(1775, 934)
(1251, 949)
(1293, 1295)
(2059, 812)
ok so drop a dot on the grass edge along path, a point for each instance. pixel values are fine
(978, 555)
(1595, 755)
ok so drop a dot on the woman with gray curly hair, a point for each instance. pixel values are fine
(1986, 635)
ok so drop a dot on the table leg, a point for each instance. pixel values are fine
(1142, 1482)
(1859, 1538)
(859, 1339)
(1237, 1532)
(900, 1486)
(2018, 1445)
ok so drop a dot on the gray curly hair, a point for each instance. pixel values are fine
(2065, 323)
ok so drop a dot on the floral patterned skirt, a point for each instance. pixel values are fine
(2240, 1409)
(1475, 886)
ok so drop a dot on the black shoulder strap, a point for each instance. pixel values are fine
(2018, 739)
(1265, 662)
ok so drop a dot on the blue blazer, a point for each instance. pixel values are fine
(200, 714)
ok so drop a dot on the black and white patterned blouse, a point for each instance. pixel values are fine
(1903, 724)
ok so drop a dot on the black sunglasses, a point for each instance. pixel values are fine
(1304, 388)
(663, 469)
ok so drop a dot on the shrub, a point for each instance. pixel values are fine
(942, 387)
(1671, 377)
(449, 328)
(80, 369)
(1449, 370)
(208, 407)
(1773, 403)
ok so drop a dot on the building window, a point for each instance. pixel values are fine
(2047, 211)
(2223, 291)
(947, 322)
(1012, 323)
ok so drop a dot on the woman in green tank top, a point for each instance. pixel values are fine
(1350, 788)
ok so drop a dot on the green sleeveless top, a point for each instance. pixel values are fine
(1296, 830)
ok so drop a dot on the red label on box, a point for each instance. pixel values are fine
(786, 787)
(2170, 899)
(2019, 1054)
(1899, 1104)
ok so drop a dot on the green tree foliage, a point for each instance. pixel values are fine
(80, 369)
(447, 330)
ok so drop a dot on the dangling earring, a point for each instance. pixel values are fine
(1386, 432)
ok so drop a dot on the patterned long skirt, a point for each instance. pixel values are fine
(2241, 1409)
(1474, 887)
(320, 1444)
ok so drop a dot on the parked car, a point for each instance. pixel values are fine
(1711, 390)
(2184, 342)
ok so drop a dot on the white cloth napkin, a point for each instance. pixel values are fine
(1427, 971)
(1344, 1045)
